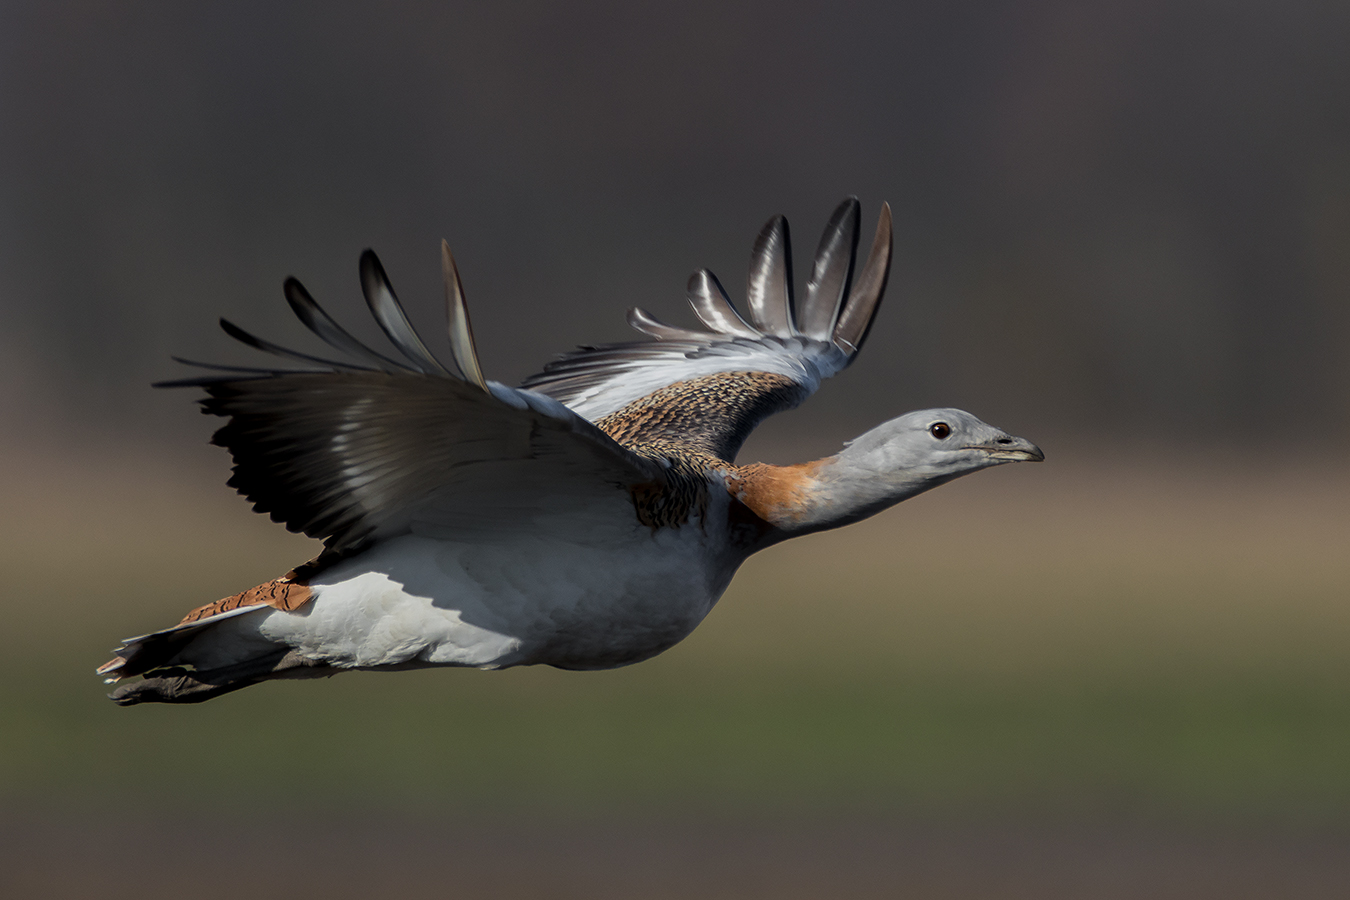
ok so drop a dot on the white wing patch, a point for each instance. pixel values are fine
(641, 369)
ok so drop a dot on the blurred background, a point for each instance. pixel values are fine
(1122, 231)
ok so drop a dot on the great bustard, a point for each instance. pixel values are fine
(588, 519)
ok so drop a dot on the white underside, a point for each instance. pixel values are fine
(582, 597)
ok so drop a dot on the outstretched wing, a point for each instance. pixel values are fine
(781, 354)
(370, 446)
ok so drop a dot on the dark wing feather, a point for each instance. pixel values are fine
(349, 453)
(389, 313)
(645, 322)
(350, 456)
(768, 289)
(855, 321)
(457, 319)
(258, 343)
(334, 335)
(713, 307)
(828, 287)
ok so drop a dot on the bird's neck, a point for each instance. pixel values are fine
(826, 493)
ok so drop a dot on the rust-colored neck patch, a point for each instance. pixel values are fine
(284, 593)
(780, 495)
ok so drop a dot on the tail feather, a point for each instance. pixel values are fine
(212, 651)
(147, 652)
(176, 684)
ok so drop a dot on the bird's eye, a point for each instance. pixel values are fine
(940, 430)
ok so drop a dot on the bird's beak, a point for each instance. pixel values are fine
(1010, 449)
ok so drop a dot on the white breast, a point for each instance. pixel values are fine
(577, 597)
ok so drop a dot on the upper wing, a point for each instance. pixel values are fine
(369, 447)
(780, 346)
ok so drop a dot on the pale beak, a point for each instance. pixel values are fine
(1011, 449)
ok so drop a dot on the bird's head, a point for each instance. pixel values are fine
(911, 454)
(894, 461)
(938, 444)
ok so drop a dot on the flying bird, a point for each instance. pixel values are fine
(588, 519)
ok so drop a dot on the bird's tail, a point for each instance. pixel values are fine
(216, 649)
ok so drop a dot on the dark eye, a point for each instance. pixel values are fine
(940, 430)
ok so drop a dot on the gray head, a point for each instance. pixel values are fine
(938, 444)
(901, 458)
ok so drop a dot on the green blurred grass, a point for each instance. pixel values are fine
(543, 741)
(1162, 639)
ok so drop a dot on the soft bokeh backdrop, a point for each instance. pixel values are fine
(1123, 231)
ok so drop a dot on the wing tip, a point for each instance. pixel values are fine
(859, 309)
(462, 346)
(393, 319)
